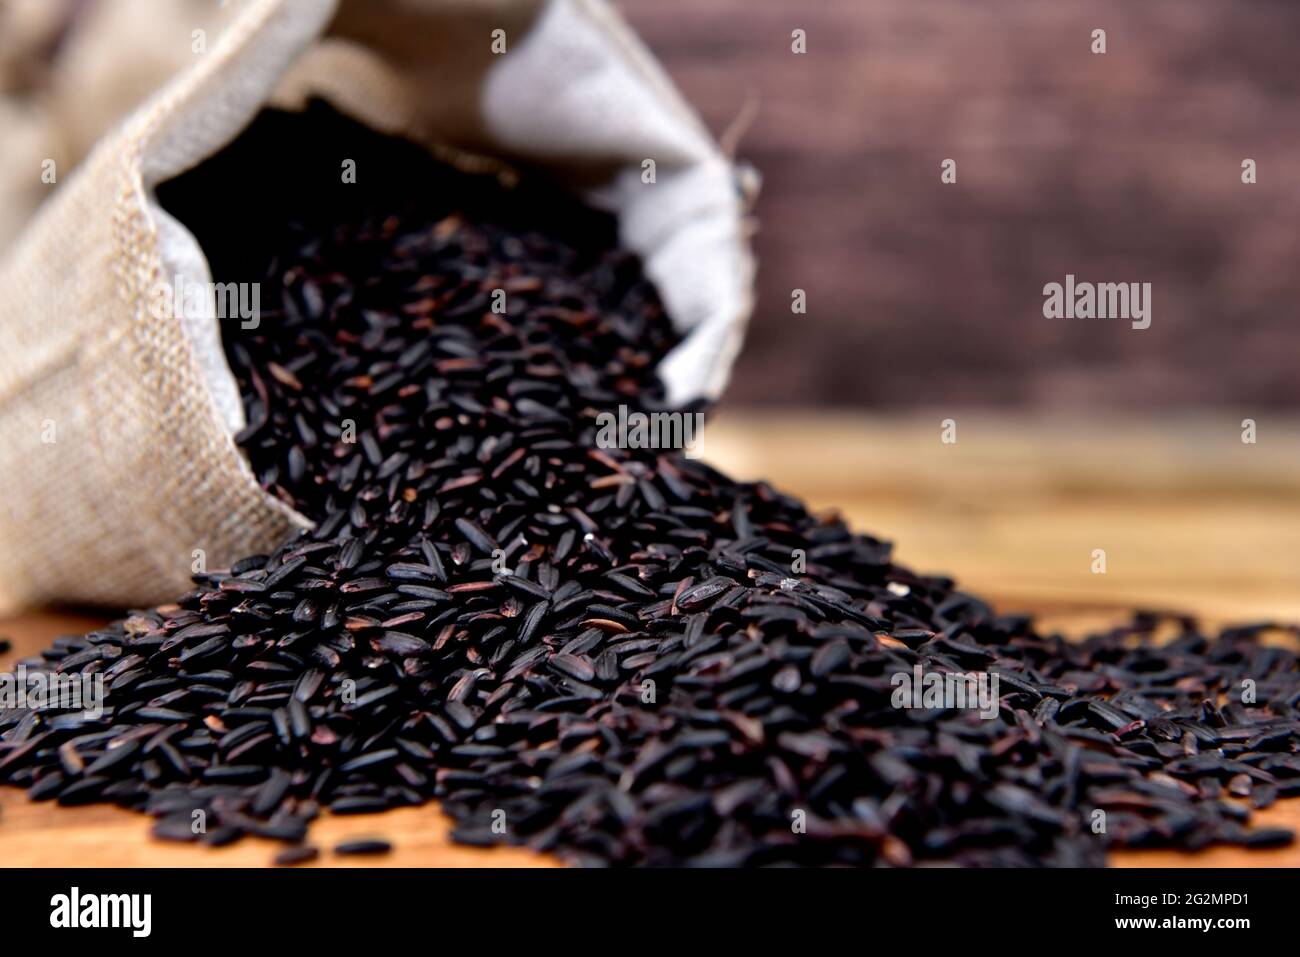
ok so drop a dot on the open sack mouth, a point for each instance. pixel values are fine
(134, 376)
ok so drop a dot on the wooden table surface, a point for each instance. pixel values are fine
(1190, 518)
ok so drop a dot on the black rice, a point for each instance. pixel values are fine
(619, 655)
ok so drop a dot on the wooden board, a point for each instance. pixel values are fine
(1013, 510)
(1118, 166)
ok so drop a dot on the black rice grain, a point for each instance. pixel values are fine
(369, 846)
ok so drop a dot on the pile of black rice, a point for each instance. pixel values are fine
(619, 655)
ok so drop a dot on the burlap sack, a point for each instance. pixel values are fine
(117, 460)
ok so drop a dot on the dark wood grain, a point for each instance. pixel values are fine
(1118, 167)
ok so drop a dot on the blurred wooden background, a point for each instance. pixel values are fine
(1124, 166)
